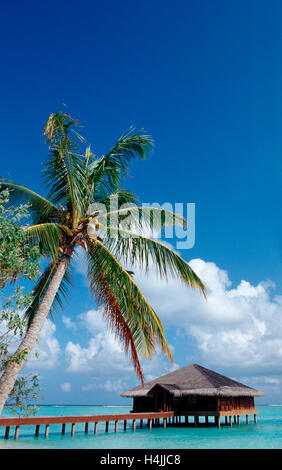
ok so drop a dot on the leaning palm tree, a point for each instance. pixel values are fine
(70, 218)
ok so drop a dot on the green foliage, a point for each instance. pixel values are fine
(17, 260)
(25, 391)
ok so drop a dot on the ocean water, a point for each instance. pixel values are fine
(266, 434)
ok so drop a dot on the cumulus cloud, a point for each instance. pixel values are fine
(104, 357)
(48, 349)
(238, 327)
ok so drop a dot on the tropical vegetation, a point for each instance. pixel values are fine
(15, 258)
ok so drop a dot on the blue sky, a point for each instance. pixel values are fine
(204, 79)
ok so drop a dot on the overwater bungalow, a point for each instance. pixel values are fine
(197, 391)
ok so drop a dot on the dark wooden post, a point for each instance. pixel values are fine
(72, 429)
(116, 426)
(7, 432)
(95, 427)
(37, 430)
(134, 425)
(124, 425)
(107, 426)
(63, 429)
(86, 428)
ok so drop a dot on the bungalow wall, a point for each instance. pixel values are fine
(161, 401)
(235, 403)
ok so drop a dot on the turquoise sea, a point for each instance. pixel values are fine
(266, 434)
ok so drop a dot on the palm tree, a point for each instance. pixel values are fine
(62, 222)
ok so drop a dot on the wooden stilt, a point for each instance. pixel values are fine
(238, 419)
(116, 426)
(218, 421)
(63, 429)
(124, 425)
(47, 430)
(96, 428)
(206, 419)
(255, 419)
(134, 425)
(17, 431)
(7, 432)
(86, 428)
(107, 426)
(72, 429)
(230, 420)
(37, 430)
(247, 419)
(164, 422)
(141, 423)
(150, 423)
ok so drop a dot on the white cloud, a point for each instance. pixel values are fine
(238, 327)
(69, 323)
(108, 386)
(65, 387)
(48, 349)
(104, 357)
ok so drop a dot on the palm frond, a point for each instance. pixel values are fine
(64, 168)
(137, 250)
(120, 197)
(145, 217)
(116, 322)
(40, 208)
(106, 172)
(47, 236)
(135, 307)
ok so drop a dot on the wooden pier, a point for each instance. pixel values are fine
(152, 419)
(167, 418)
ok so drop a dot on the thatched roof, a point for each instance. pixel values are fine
(195, 380)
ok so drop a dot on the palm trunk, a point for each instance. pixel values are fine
(12, 370)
